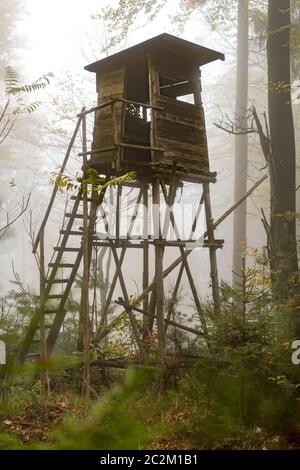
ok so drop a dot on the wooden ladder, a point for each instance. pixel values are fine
(56, 313)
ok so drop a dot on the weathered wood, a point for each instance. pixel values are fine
(142, 147)
(119, 274)
(177, 89)
(142, 105)
(94, 152)
(116, 132)
(60, 265)
(169, 322)
(174, 64)
(145, 245)
(153, 79)
(43, 338)
(122, 364)
(119, 244)
(85, 325)
(132, 318)
(95, 108)
(25, 344)
(183, 243)
(159, 283)
(121, 259)
(212, 250)
(67, 249)
(108, 120)
(187, 268)
(177, 262)
(174, 295)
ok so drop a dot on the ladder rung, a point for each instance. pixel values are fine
(52, 311)
(47, 327)
(54, 296)
(81, 229)
(59, 281)
(76, 216)
(32, 355)
(61, 265)
(67, 249)
(75, 198)
(71, 232)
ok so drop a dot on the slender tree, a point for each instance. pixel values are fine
(241, 140)
(283, 251)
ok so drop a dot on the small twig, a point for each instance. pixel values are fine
(24, 208)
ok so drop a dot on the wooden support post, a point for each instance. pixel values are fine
(170, 322)
(115, 134)
(132, 318)
(152, 309)
(187, 269)
(86, 386)
(173, 300)
(181, 269)
(119, 275)
(45, 386)
(118, 212)
(122, 256)
(212, 249)
(159, 282)
(208, 212)
(218, 222)
(145, 249)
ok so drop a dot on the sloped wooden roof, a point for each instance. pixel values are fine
(164, 43)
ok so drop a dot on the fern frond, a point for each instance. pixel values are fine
(14, 88)
(90, 181)
(29, 108)
(119, 180)
(11, 78)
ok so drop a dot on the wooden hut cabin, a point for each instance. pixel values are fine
(150, 109)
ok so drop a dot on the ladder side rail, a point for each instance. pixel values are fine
(55, 189)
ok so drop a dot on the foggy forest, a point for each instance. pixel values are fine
(149, 227)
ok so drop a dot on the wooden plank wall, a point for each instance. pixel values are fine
(109, 85)
(180, 131)
(180, 127)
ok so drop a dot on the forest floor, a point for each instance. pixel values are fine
(37, 420)
(151, 420)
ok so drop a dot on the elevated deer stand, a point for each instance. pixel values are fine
(149, 119)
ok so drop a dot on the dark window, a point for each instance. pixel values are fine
(137, 82)
(177, 89)
(137, 117)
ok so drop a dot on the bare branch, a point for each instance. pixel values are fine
(264, 140)
(10, 222)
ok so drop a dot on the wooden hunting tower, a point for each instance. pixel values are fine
(156, 114)
(149, 119)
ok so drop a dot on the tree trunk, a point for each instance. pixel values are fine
(241, 141)
(282, 162)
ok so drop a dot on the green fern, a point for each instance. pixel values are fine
(12, 78)
(91, 179)
(30, 108)
(13, 86)
(119, 180)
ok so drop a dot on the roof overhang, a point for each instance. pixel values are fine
(198, 54)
